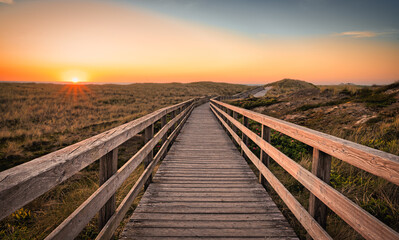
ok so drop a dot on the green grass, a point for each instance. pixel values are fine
(254, 102)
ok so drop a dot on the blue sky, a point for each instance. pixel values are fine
(256, 18)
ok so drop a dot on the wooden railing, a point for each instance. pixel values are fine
(24, 183)
(325, 146)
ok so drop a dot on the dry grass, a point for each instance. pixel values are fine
(40, 118)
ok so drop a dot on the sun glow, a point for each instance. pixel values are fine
(74, 76)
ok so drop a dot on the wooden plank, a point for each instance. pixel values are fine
(108, 166)
(23, 183)
(377, 162)
(231, 224)
(363, 222)
(262, 204)
(209, 217)
(211, 232)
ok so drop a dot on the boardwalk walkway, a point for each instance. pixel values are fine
(205, 189)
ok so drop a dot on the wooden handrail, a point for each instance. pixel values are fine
(374, 161)
(26, 182)
(363, 222)
(75, 223)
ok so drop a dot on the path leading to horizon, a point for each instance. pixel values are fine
(205, 189)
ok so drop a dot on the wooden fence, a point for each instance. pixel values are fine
(322, 195)
(24, 183)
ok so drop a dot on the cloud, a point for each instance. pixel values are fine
(359, 34)
(7, 1)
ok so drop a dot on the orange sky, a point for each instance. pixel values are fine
(108, 42)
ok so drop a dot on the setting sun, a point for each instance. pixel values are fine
(75, 80)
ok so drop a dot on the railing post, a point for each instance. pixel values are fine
(163, 123)
(321, 167)
(172, 116)
(235, 116)
(263, 156)
(148, 135)
(108, 166)
(230, 113)
(243, 136)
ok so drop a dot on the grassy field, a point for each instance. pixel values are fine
(366, 115)
(40, 118)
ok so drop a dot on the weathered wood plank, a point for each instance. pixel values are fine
(209, 232)
(254, 225)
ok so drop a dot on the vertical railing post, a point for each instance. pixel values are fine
(243, 136)
(235, 116)
(265, 134)
(108, 166)
(230, 113)
(148, 135)
(172, 116)
(164, 137)
(163, 123)
(321, 167)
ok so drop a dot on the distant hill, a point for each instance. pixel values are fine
(287, 86)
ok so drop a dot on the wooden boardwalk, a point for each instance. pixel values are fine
(205, 189)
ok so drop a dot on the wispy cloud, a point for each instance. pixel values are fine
(359, 34)
(7, 1)
(365, 34)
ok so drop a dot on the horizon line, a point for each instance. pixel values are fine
(129, 83)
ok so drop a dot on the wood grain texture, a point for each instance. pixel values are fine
(377, 162)
(108, 166)
(321, 168)
(24, 183)
(205, 189)
(363, 222)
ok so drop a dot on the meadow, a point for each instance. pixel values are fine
(366, 115)
(40, 118)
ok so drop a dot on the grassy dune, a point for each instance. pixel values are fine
(40, 118)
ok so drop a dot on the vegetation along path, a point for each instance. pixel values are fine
(205, 189)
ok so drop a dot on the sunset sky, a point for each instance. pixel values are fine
(247, 41)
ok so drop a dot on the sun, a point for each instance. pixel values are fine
(75, 80)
